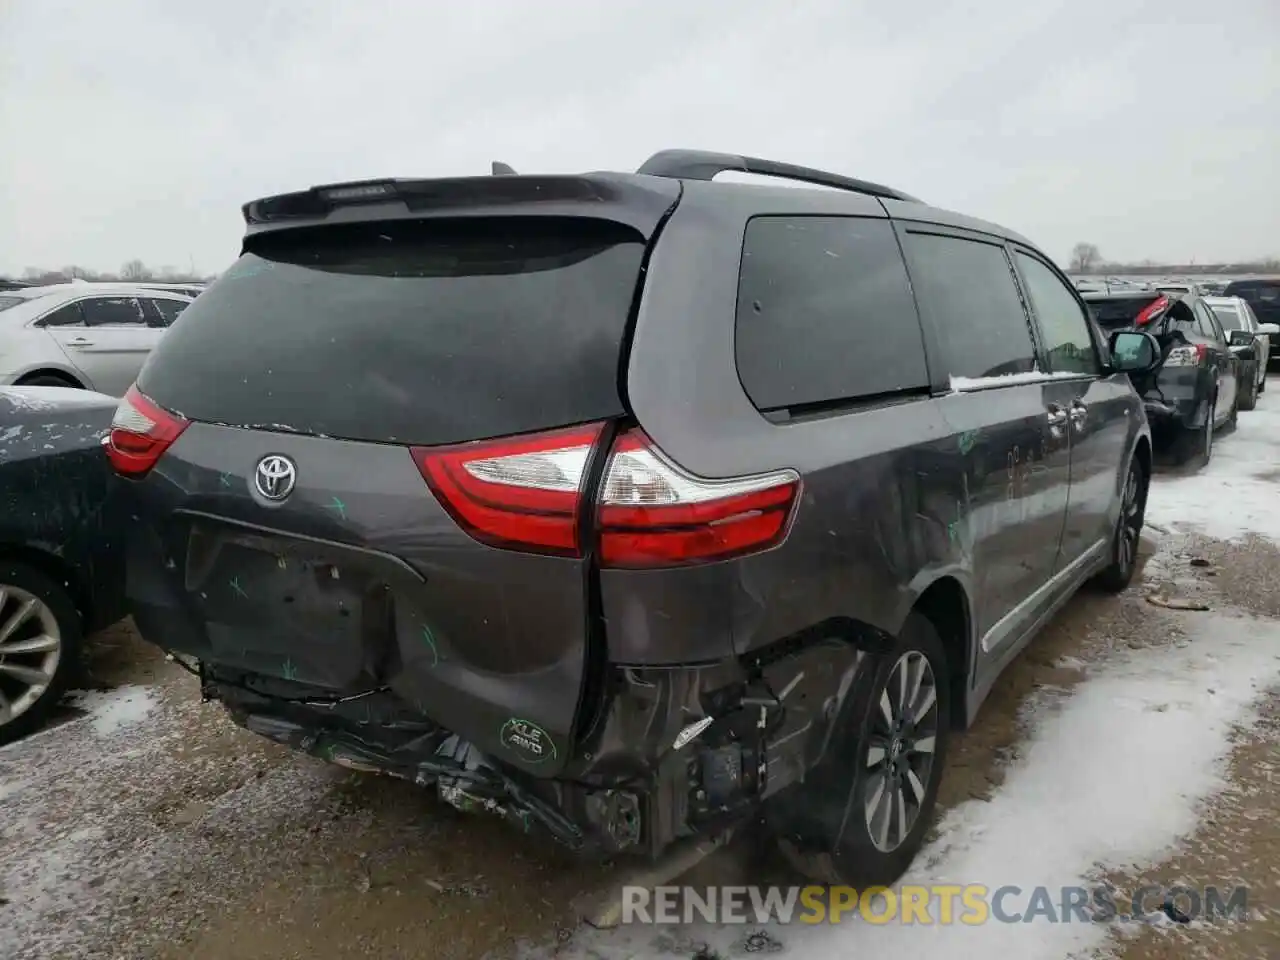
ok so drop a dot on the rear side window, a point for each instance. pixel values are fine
(966, 290)
(7, 302)
(168, 310)
(425, 332)
(825, 313)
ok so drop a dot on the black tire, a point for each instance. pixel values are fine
(1117, 575)
(49, 380)
(17, 580)
(1250, 398)
(823, 826)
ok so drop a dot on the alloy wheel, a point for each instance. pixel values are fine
(1130, 521)
(900, 751)
(30, 650)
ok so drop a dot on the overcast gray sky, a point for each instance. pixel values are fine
(136, 128)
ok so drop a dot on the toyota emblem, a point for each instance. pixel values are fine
(275, 477)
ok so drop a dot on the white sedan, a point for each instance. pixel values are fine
(89, 335)
(1235, 314)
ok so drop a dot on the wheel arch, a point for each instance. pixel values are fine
(72, 379)
(944, 600)
(57, 570)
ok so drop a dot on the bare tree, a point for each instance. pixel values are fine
(1084, 257)
(135, 270)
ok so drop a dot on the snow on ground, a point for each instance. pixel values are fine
(1110, 780)
(77, 805)
(115, 709)
(1234, 494)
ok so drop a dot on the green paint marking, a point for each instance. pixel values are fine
(225, 480)
(429, 638)
(338, 507)
(967, 440)
(237, 589)
(290, 670)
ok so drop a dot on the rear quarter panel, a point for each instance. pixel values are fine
(880, 486)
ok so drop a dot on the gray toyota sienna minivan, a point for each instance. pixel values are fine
(631, 507)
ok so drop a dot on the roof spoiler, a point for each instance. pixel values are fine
(704, 165)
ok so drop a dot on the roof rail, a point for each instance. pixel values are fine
(705, 164)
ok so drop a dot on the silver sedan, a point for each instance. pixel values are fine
(90, 335)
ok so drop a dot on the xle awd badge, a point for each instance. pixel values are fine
(527, 739)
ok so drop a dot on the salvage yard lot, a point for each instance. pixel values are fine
(147, 825)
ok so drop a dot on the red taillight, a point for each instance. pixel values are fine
(526, 494)
(1151, 311)
(140, 433)
(523, 493)
(652, 513)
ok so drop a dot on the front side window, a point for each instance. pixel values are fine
(1063, 324)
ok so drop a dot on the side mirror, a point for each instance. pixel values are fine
(1133, 351)
(1270, 329)
(1240, 338)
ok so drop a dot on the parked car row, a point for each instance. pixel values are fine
(1214, 362)
(633, 507)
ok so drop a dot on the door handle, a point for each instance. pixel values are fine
(1079, 413)
(79, 342)
(1057, 421)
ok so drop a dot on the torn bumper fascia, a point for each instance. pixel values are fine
(463, 776)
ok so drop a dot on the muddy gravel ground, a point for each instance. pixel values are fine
(151, 827)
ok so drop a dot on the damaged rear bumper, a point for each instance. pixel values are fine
(421, 753)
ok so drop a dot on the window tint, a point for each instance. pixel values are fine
(111, 311)
(966, 291)
(168, 309)
(7, 302)
(1206, 322)
(1119, 313)
(825, 313)
(1229, 318)
(68, 316)
(1063, 325)
(424, 332)
(1255, 291)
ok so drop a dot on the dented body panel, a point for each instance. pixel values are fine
(356, 619)
(359, 580)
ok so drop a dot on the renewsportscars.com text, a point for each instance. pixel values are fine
(942, 904)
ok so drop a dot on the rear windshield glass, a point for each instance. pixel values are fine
(419, 332)
(1229, 318)
(1119, 313)
(1255, 291)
